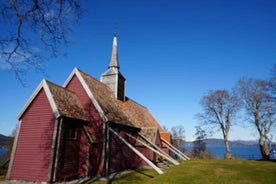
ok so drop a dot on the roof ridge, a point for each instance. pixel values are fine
(149, 128)
(127, 98)
(99, 82)
(52, 83)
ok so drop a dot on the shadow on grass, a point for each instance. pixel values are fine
(264, 160)
(143, 173)
(111, 178)
(108, 179)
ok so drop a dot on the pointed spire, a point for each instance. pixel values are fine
(114, 55)
(113, 77)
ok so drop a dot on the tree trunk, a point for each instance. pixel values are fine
(264, 148)
(228, 151)
(227, 147)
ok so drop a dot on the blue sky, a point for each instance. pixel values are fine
(172, 52)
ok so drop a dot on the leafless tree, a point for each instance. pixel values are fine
(178, 135)
(33, 31)
(260, 108)
(165, 128)
(219, 109)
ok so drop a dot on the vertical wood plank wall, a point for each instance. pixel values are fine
(33, 149)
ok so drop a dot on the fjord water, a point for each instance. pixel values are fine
(246, 152)
(2, 151)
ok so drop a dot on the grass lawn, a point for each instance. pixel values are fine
(206, 171)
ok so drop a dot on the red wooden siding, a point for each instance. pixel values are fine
(33, 150)
(159, 144)
(72, 160)
(121, 157)
(95, 155)
(94, 116)
(95, 128)
(83, 154)
(149, 153)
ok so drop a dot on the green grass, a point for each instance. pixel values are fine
(207, 172)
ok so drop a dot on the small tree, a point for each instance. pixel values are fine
(199, 144)
(199, 150)
(219, 109)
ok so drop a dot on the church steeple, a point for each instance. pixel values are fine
(113, 77)
(114, 55)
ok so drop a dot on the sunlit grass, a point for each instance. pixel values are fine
(203, 171)
(207, 172)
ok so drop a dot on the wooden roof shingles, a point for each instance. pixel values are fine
(140, 115)
(67, 102)
(128, 113)
(150, 133)
(107, 101)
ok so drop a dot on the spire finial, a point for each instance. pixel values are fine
(115, 28)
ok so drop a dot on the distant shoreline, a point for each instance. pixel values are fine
(246, 152)
(220, 142)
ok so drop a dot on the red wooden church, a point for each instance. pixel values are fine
(86, 128)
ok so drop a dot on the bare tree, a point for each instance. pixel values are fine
(33, 31)
(165, 128)
(260, 108)
(219, 109)
(178, 135)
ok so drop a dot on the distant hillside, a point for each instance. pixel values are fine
(3, 140)
(220, 142)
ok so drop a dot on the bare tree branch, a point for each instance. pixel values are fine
(35, 31)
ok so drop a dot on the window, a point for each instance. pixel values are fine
(116, 130)
(70, 133)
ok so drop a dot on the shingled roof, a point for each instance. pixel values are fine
(140, 116)
(150, 133)
(126, 112)
(107, 101)
(67, 102)
(64, 103)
